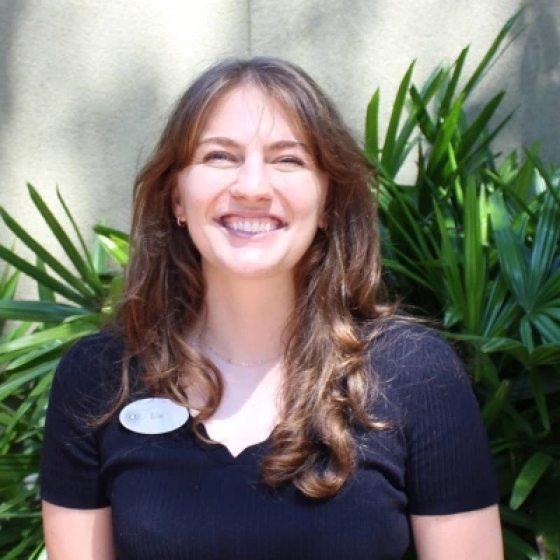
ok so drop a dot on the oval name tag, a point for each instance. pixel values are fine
(155, 415)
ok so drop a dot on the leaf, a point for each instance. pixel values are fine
(42, 254)
(388, 159)
(477, 128)
(550, 289)
(403, 143)
(552, 187)
(545, 354)
(372, 128)
(444, 136)
(526, 333)
(517, 518)
(34, 356)
(38, 311)
(545, 243)
(13, 464)
(34, 403)
(21, 378)
(509, 249)
(540, 398)
(530, 474)
(451, 87)
(491, 53)
(425, 123)
(45, 293)
(450, 266)
(78, 235)
(37, 274)
(116, 248)
(8, 283)
(495, 404)
(475, 278)
(548, 328)
(546, 514)
(106, 231)
(99, 257)
(65, 331)
(516, 544)
(69, 248)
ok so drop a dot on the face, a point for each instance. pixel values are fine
(252, 198)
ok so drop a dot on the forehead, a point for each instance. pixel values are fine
(246, 111)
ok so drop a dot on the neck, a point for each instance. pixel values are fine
(246, 318)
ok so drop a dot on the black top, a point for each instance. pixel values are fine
(175, 497)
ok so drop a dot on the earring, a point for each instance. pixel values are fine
(180, 223)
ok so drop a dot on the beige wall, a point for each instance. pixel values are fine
(85, 84)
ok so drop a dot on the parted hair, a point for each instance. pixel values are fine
(339, 301)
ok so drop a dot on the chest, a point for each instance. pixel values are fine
(175, 497)
(247, 412)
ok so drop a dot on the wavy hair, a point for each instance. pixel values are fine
(339, 305)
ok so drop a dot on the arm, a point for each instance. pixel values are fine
(461, 536)
(77, 520)
(78, 533)
(450, 479)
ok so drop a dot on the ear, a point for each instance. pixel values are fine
(323, 221)
(176, 206)
(325, 187)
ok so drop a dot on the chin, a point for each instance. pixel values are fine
(249, 270)
(256, 272)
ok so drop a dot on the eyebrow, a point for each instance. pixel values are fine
(230, 143)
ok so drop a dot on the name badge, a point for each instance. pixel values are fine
(155, 415)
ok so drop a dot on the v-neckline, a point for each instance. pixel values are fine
(222, 449)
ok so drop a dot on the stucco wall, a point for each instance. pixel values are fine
(353, 46)
(85, 85)
(85, 88)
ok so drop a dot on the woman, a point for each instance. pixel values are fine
(320, 425)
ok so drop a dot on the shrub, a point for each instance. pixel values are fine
(30, 352)
(475, 244)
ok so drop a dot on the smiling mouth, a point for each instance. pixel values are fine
(251, 226)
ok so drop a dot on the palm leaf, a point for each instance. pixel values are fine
(85, 271)
(46, 257)
(44, 278)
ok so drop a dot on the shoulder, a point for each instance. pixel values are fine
(427, 393)
(416, 370)
(105, 345)
(89, 373)
(405, 354)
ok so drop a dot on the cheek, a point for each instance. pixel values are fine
(194, 194)
(200, 188)
(310, 199)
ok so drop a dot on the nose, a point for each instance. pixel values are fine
(252, 181)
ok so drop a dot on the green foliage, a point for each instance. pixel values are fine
(475, 244)
(75, 298)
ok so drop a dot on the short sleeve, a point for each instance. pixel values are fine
(70, 457)
(449, 468)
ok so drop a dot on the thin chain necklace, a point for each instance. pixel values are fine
(206, 344)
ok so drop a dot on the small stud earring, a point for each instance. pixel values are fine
(180, 223)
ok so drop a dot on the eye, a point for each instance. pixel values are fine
(219, 158)
(290, 161)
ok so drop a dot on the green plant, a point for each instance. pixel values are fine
(74, 299)
(475, 244)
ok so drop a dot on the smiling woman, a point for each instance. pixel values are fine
(253, 197)
(256, 397)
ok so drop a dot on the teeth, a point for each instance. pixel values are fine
(251, 226)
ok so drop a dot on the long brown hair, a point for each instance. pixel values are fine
(338, 309)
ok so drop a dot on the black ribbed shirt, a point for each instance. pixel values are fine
(174, 497)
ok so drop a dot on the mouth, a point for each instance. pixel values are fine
(247, 226)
